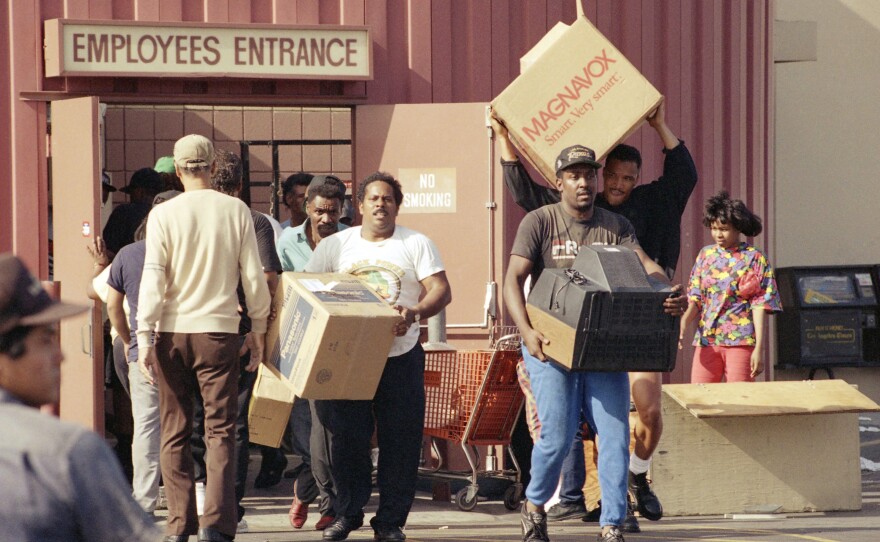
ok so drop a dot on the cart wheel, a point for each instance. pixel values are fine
(462, 500)
(512, 497)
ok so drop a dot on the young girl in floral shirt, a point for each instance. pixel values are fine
(732, 287)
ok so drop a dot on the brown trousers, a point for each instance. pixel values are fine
(208, 363)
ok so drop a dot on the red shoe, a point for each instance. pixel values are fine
(298, 513)
(324, 522)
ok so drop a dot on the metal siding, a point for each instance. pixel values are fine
(7, 220)
(710, 59)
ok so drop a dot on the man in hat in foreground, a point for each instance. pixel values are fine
(58, 481)
(198, 246)
(549, 238)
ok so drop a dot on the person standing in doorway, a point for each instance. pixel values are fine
(199, 246)
(293, 194)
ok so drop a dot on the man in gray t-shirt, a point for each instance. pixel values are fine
(549, 237)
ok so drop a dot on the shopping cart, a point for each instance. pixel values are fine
(473, 398)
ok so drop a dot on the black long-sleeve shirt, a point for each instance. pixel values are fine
(654, 208)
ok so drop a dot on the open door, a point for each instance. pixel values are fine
(76, 197)
(443, 155)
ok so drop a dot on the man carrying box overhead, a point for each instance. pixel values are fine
(655, 210)
(398, 263)
(549, 237)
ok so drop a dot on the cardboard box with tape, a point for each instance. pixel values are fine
(269, 408)
(272, 398)
(576, 88)
(334, 335)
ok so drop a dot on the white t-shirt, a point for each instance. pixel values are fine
(394, 268)
(99, 284)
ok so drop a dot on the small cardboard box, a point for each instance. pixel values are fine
(575, 89)
(270, 405)
(335, 333)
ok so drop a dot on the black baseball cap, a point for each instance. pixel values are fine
(320, 180)
(576, 154)
(146, 178)
(24, 302)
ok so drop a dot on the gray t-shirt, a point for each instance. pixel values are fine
(550, 237)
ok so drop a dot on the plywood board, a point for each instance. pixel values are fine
(769, 398)
(797, 463)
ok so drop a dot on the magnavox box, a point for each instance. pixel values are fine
(576, 89)
(269, 409)
(604, 314)
(335, 333)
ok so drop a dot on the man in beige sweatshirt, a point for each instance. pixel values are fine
(198, 246)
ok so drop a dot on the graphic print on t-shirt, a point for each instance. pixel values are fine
(381, 275)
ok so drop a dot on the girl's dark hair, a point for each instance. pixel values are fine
(720, 208)
(12, 342)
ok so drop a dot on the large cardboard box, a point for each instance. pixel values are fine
(335, 333)
(269, 409)
(576, 88)
(741, 447)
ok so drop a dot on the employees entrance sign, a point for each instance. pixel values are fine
(428, 190)
(213, 50)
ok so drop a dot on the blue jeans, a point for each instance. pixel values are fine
(560, 397)
(574, 472)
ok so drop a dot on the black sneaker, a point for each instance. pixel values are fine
(534, 525)
(594, 514)
(270, 472)
(566, 510)
(613, 535)
(386, 533)
(630, 523)
(342, 526)
(646, 501)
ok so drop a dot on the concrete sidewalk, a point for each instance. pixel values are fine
(491, 521)
(430, 520)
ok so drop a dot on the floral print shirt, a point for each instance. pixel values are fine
(727, 285)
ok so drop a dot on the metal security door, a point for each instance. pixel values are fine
(443, 154)
(76, 196)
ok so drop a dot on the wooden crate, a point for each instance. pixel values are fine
(731, 448)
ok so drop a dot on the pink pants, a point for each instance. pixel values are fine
(713, 362)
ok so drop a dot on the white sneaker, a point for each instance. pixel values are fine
(242, 526)
(200, 497)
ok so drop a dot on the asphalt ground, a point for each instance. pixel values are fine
(491, 521)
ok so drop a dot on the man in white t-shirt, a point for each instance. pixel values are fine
(398, 263)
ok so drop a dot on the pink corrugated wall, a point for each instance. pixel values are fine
(712, 59)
